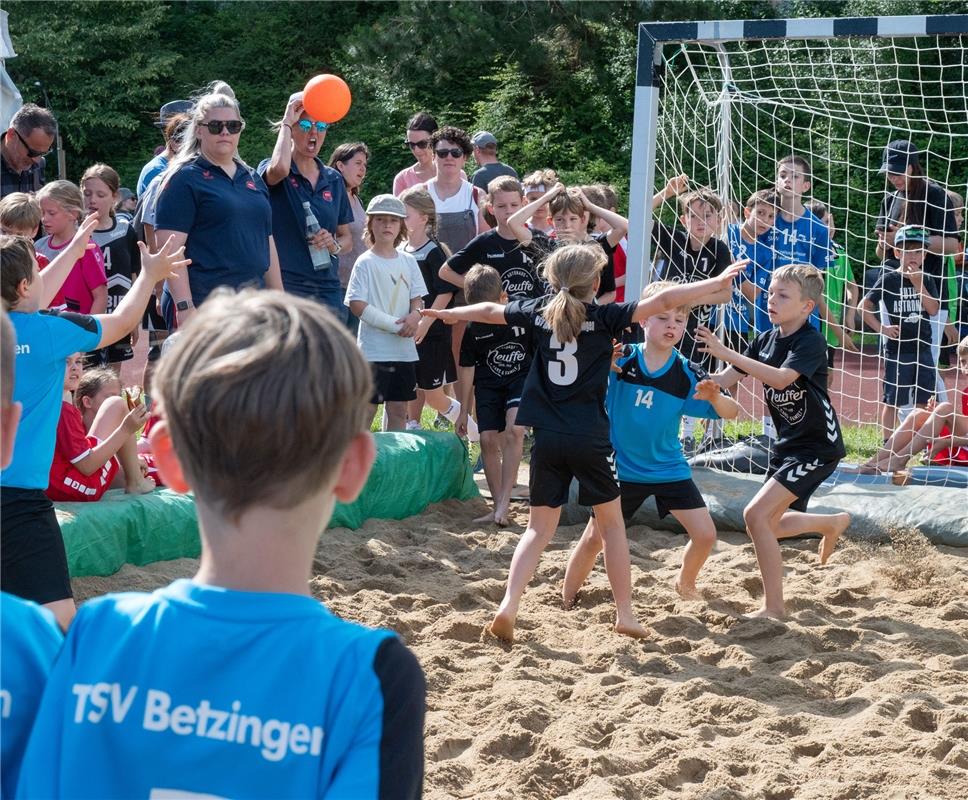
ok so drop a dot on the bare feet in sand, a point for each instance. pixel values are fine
(502, 515)
(829, 541)
(485, 519)
(767, 613)
(901, 477)
(502, 626)
(688, 592)
(140, 486)
(631, 627)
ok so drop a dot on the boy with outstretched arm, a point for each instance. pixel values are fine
(653, 387)
(237, 682)
(791, 362)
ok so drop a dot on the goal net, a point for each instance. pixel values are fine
(729, 110)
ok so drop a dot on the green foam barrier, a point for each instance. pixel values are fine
(412, 470)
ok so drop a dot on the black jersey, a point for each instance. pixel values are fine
(678, 262)
(498, 353)
(805, 420)
(904, 308)
(935, 214)
(122, 259)
(430, 258)
(607, 282)
(565, 388)
(514, 262)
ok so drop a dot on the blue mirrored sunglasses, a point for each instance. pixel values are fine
(307, 125)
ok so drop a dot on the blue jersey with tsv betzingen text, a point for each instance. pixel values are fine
(29, 641)
(197, 690)
(644, 412)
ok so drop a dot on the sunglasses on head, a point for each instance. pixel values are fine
(216, 126)
(30, 151)
(423, 144)
(453, 152)
(307, 125)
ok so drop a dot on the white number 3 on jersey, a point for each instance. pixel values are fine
(563, 368)
(643, 398)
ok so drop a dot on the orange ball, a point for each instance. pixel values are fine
(327, 98)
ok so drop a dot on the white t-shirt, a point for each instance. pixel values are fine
(462, 201)
(388, 284)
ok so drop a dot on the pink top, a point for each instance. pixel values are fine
(405, 179)
(86, 275)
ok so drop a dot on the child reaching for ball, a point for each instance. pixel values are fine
(564, 402)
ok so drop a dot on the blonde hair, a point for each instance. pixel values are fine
(20, 211)
(217, 94)
(419, 199)
(104, 173)
(657, 286)
(368, 237)
(502, 183)
(572, 271)
(92, 382)
(263, 392)
(482, 284)
(962, 351)
(807, 277)
(540, 177)
(65, 194)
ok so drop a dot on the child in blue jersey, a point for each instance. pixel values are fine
(33, 563)
(746, 240)
(791, 362)
(647, 398)
(238, 683)
(564, 402)
(29, 636)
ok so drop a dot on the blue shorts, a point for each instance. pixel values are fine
(909, 383)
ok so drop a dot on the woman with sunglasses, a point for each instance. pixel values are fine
(215, 204)
(459, 217)
(417, 142)
(310, 262)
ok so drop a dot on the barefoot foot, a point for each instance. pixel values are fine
(687, 592)
(502, 626)
(631, 627)
(768, 613)
(140, 486)
(901, 477)
(484, 520)
(829, 542)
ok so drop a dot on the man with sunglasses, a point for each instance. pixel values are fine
(23, 147)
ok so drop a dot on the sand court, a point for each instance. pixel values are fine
(862, 693)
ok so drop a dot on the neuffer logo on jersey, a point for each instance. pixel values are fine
(275, 739)
(517, 281)
(790, 403)
(506, 359)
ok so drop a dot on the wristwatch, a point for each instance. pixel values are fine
(338, 249)
(183, 305)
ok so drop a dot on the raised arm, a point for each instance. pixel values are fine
(491, 313)
(674, 187)
(775, 377)
(619, 226)
(281, 159)
(54, 275)
(517, 222)
(687, 293)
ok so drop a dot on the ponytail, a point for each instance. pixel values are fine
(573, 272)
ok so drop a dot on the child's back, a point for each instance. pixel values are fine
(225, 693)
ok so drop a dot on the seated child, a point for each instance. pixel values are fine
(237, 682)
(791, 362)
(654, 386)
(941, 429)
(494, 362)
(89, 460)
(910, 298)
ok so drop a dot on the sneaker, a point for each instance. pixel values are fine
(413, 425)
(689, 447)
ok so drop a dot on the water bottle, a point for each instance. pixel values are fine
(321, 258)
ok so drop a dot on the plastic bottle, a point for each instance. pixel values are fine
(321, 258)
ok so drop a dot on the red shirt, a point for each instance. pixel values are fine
(71, 444)
(86, 275)
(618, 262)
(957, 457)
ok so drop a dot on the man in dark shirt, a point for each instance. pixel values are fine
(485, 154)
(23, 147)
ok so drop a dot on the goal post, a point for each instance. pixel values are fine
(722, 101)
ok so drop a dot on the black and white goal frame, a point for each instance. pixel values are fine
(645, 124)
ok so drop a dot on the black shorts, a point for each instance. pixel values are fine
(435, 367)
(494, 402)
(153, 321)
(801, 476)
(681, 495)
(33, 562)
(556, 458)
(112, 354)
(393, 381)
(908, 383)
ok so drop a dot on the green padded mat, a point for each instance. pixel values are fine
(412, 470)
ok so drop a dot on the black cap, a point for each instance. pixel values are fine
(168, 110)
(898, 155)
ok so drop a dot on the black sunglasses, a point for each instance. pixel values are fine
(453, 152)
(30, 151)
(216, 126)
(421, 145)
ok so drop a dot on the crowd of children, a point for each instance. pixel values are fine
(610, 388)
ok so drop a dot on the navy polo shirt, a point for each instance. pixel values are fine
(330, 204)
(228, 222)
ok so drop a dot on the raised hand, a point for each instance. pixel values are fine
(165, 262)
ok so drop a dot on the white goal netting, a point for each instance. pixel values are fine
(729, 111)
